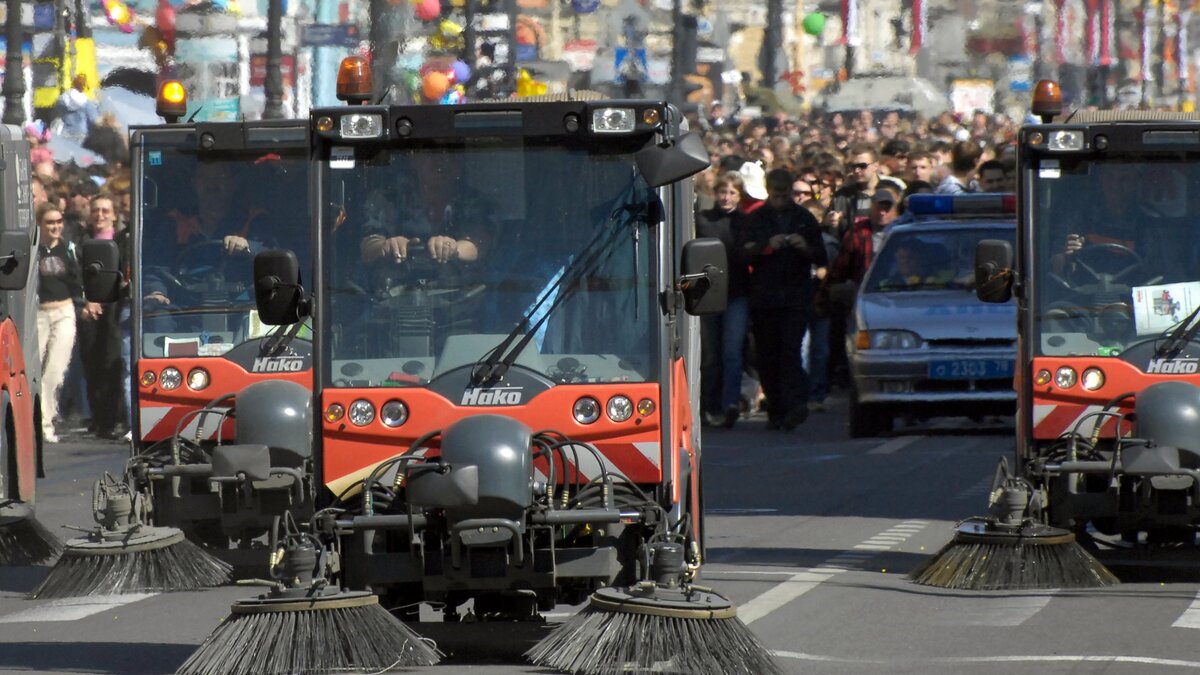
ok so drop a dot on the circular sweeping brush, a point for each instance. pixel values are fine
(284, 633)
(985, 555)
(1010, 551)
(659, 625)
(24, 540)
(649, 628)
(122, 555)
(304, 625)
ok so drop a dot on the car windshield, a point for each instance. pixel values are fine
(443, 256)
(202, 218)
(1113, 258)
(933, 259)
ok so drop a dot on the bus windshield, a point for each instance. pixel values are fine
(200, 221)
(1113, 256)
(443, 256)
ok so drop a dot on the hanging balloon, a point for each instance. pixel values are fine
(585, 6)
(462, 72)
(435, 85)
(814, 24)
(429, 10)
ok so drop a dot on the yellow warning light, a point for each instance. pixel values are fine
(171, 103)
(354, 80)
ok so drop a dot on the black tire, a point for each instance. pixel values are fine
(867, 421)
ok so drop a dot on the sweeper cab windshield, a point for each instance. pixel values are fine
(445, 255)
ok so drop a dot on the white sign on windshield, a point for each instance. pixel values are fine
(1158, 308)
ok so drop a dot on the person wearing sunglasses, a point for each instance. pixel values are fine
(59, 289)
(802, 191)
(853, 199)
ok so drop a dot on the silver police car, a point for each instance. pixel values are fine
(921, 342)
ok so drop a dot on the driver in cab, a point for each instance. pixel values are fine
(1135, 234)
(449, 220)
(221, 218)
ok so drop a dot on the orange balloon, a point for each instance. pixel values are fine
(435, 85)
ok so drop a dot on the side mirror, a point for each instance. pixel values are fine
(14, 260)
(705, 281)
(993, 270)
(101, 263)
(674, 161)
(277, 290)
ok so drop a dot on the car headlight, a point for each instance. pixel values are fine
(620, 408)
(1065, 140)
(361, 126)
(613, 120)
(393, 413)
(361, 413)
(894, 339)
(586, 410)
(197, 379)
(171, 378)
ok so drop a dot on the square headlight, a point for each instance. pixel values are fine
(361, 126)
(1065, 140)
(613, 120)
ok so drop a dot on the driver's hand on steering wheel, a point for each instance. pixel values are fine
(396, 248)
(236, 244)
(443, 249)
(1074, 243)
(158, 297)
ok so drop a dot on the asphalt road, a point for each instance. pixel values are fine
(811, 533)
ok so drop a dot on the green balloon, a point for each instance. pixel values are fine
(814, 24)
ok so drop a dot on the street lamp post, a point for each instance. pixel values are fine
(14, 67)
(273, 85)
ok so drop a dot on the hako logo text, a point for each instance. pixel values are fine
(278, 364)
(498, 396)
(1173, 366)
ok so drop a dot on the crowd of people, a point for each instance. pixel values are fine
(802, 205)
(84, 346)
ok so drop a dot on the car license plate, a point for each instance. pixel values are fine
(970, 369)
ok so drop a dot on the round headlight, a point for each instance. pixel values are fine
(619, 409)
(334, 412)
(171, 378)
(1093, 379)
(586, 410)
(393, 413)
(148, 378)
(361, 413)
(645, 407)
(197, 379)
(1065, 377)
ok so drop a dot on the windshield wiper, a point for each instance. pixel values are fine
(1179, 336)
(274, 343)
(501, 357)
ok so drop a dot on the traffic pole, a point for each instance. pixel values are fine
(14, 66)
(273, 85)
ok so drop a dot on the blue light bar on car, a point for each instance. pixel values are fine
(962, 205)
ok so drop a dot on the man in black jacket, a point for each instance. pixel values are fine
(782, 244)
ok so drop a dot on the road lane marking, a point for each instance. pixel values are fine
(73, 609)
(1190, 617)
(780, 595)
(997, 611)
(1016, 658)
(735, 511)
(894, 445)
(799, 584)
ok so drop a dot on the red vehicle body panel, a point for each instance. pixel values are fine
(160, 411)
(21, 399)
(632, 448)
